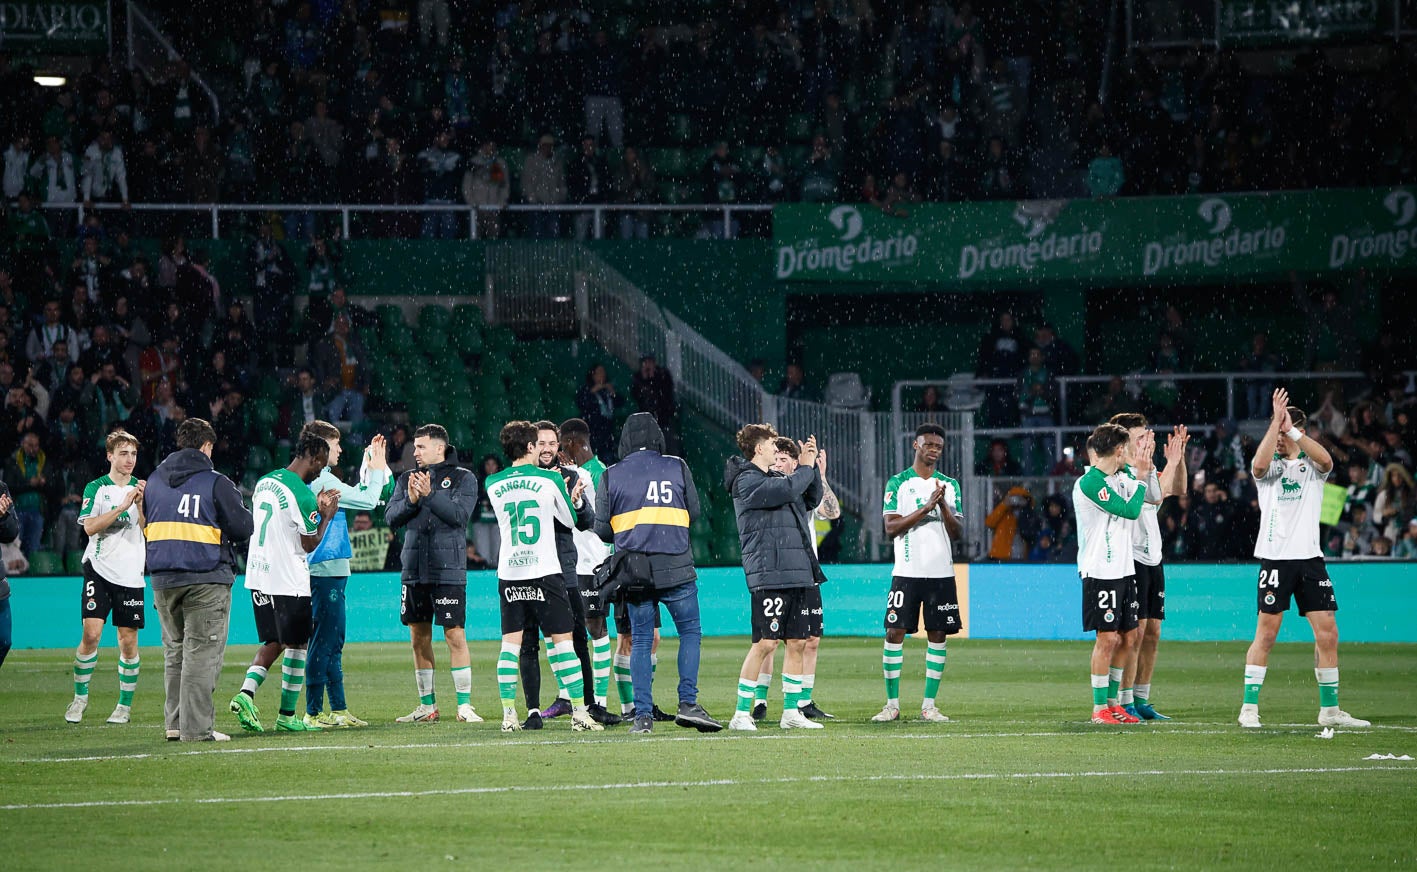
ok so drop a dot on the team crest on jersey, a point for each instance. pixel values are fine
(1103, 496)
(447, 483)
(1269, 599)
(1109, 617)
(1303, 468)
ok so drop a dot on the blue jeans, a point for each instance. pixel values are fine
(323, 666)
(5, 638)
(683, 605)
(348, 404)
(31, 530)
(440, 225)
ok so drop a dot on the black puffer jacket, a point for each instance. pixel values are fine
(9, 532)
(435, 545)
(772, 511)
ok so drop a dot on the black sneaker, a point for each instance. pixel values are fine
(532, 722)
(660, 716)
(811, 712)
(760, 711)
(600, 715)
(692, 715)
(643, 726)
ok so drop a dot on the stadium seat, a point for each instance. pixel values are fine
(398, 340)
(727, 549)
(389, 316)
(259, 459)
(669, 162)
(264, 414)
(74, 562)
(961, 395)
(845, 391)
(799, 127)
(467, 340)
(681, 129)
(434, 316)
(702, 551)
(432, 340)
(468, 315)
(46, 563)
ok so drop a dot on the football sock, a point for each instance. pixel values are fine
(1114, 683)
(623, 685)
(1254, 680)
(600, 668)
(791, 692)
(934, 671)
(567, 668)
(807, 681)
(1124, 696)
(292, 676)
(760, 692)
(1099, 692)
(128, 679)
(424, 677)
(747, 695)
(462, 684)
(84, 665)
(1328, 687)
(1142, 693)
(892, 657)
(255, 675)
(507, 670)
(653, 664)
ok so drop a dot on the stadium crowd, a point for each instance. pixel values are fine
(753, 102)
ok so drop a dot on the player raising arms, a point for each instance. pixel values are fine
(1290, 470)
(1106, 499)
(290, 522)
(529, 501)
(1135, 693)
(112, 516)
(922, 515)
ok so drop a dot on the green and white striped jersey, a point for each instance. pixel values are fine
(1107, 507)
(284, 510)
(923, 551)
(119, 553)
(528, 501)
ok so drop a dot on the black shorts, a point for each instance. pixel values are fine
(282, 620)
(441, 604)
(622, 618)
(783, 614)
(1306, 581)
(590, 600)
(540, 600)
(937, 597)
(1151, 592)
(1109, 605)
(102, 598)
(814, 607)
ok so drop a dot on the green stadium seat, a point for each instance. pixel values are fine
(258, 458)
(264, 414)
(46, 563)
(467, 341)
(423, 411)
(399, 341)
(702, 551)
(727, 549)
(74, 562)
(670, 162)
(681, 129)
(468, 314)
(389, 316)
(799, 127)
(433, 315)
(432, 340)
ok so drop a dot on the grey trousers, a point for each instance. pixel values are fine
(195, 620)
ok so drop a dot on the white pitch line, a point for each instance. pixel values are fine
(717, 782)
(499, 743)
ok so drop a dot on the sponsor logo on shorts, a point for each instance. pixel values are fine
(133, 604)
(950, 620)
(817, 612)
(1108, 617)
(1161, 594)
(447, 601)
(1269, 599)
(948, 607)
(259, 599)
(527, 594)
(1324, 582)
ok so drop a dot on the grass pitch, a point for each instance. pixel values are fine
(1018, 780)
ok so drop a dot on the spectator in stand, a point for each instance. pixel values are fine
(326, 134)
(343, 366)
(21, 415)
(107, 400)
(821, 174)
(28, 474)
(433, 18)
(1007, 519)
(1226, 454)
(1406, 547)
(274, 282)
(602, 86)
(1358, 541)
(66, 533)
(1262, 364)
(39, 347)
(544, 184)
(1115, 400)
(31, 243)
(171, 262)
(17, 163)
(931, 401)
(198, 293)
(71, 389)
(105, 172)
(485, 536)
(56, 183)
(161, 361)
(211, 382)
(1396, 503)
(487, 184)
(1214, 525)
(1177, 532)
(997, 179)
(400, 450)
(794, 383)
(201, 168)
(597, 402)
(1058, 356)
(1332, 343)
(945, 175)
(297, 168)
(635, 184)
(305, 401)
(66, 433)
(999, 462)
(1105, 174)
(723, 179)
(1000, 105)
(103, 348)
(1001, 355)
(442, 171)
(1362, 490)
(587, 183)
(653, 391)
(51, 373)
(899, 195)
(232, 442)
(1037, 406)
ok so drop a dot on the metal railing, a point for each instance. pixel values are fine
(1161, 24)
(719, 222)
(152, 53)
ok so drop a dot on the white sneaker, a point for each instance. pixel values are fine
(795, 720)
(467, 715)
(121, 715)
(510, 723)
(1250, 717)
(934, 715)
(1340, 718)
(424, 714)
(75, 712)
(743, 721)
(220, 737)
(888, 714)
(174, 735)
(581, 722)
